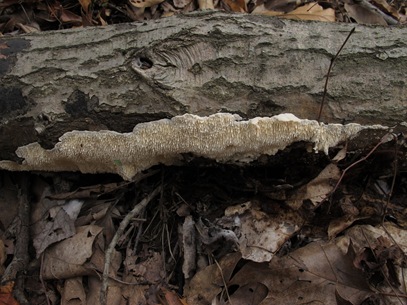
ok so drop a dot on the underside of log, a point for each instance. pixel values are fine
(113, 78)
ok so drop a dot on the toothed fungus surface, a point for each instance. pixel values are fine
(222, 137)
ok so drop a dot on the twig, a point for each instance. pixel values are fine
(126, 220)
(389, 19)
(329, 73)
(383, 140)
(223, 280)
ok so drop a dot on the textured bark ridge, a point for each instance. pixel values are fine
(112, 78)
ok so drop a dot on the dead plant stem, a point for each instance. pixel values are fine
(329, 73)
(384, 139)
(223, 280)
(124, 223)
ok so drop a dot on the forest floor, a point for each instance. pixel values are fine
(28, 16)
(295, 228)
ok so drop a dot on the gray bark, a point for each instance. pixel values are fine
(202, 63)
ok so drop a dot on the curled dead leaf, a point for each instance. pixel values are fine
(309, 11)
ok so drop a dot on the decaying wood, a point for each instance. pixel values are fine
(203, 63)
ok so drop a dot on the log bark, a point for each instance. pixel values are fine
(115, 77)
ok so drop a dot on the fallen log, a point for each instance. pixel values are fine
(113, 78)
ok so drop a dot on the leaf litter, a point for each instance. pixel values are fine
(18, 17)
(207, 233)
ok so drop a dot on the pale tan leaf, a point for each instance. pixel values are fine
(145, 3)
(318, 189)
(308, 275)
(363, 15)
(340, 155)
(311, 11)
(85, 5)
(73, 292)
(66, 258)
(206, 4)
(32, 28)
(262, 235)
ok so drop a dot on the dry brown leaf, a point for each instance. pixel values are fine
(314, 274)
(85, 5)
(114, 293)
(261, 235)
(94, 211)
(97, 261)
(317, 189)
(250, 294)
(207, 283)
(309, 275)
(73, 292)
(66, 259)
(340, 224)
(171, 297)
(340, 300)
(134, 294)
(363, 15)
(6, 294)
(381, 252)
(238, 6)
(151, 269)
(387, 8)
(309, 11)
(52, 223)
(365, 235)
(206, 4)
(145, 3)
(69, 17)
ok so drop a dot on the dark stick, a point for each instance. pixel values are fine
(329, 72)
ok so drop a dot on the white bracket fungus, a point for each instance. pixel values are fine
(222, 137)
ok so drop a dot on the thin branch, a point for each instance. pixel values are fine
(329, 73)
(384, 139)
(223, 280)
(126, 220)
